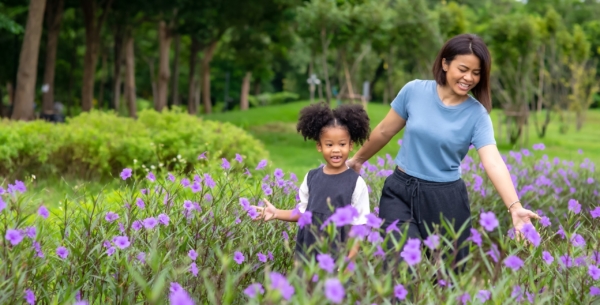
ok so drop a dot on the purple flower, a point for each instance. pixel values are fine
(513, 262)
(62, 252)
(261, 164)
(344, 216)
(411, 252)
(373, 221)
(359, 231)
(43, 211)
(594, 272)
(262, 257)
(29, 297)
(208, 181)
(192, 254)
(151, 177)
(279, 282)
(225, 164)
(545, 221)
(539, 146)
(432, 241)
(594, 290)
(238, 257)
(126, 173)
(494, 253)
(14, 236)
(548, 258)
(110, 216)
(2, 204)
(239, 158)
(254, 289)
(202, 156)
(374, 237)
(392, 227)
(334, 291)
(121, 242)
(180, 297)
(194, 269)
(171, 177)
(196, 187)
(136, 225)
(150, 223)
(488, 221)
(285, 235)
(566, 260)
(140, 203)
(185, 182)
(252, 213)
(595, 212)
(464, 298)
(30, 232)
(531, 234)
(141, 257)
(110, 251)
(305, 219)
(188, 205)
(400, 292)
(484, 295)
(326, 262)
(577, 240)
(163, 219)
(278, 173)
(475, 237)
(574, 206)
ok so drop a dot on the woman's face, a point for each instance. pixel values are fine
(463, 73)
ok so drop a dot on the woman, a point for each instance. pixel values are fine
(441, 122)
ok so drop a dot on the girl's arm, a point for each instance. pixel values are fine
(497, 172)
(380, 136)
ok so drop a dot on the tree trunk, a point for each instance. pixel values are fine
(194, 47)
(245, 91)
(206, 59)
(325, 46)
(175, 86)
(26, 75)
(54, 12)
(93, 25)
(164, 41)
(118, 79)
(130, 77)
(103, 72)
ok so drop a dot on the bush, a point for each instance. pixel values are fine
(100, 144)
(276, 98)
(134, 245)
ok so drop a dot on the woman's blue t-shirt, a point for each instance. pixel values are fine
(437, 137)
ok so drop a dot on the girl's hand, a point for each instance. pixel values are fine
(266, 213)
(521, 216)
(353, 164)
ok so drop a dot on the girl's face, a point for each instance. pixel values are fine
(463, 73)
(335, 145)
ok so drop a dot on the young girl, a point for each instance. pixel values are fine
(332, 186)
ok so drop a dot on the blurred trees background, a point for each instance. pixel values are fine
(217, 55)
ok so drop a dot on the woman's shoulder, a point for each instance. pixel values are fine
(419, 83)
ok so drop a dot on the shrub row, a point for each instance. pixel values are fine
(100, 144)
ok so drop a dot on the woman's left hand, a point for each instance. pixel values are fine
(521, 216)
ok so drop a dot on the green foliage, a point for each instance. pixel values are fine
(277, 98)
(213, 222)
(100, 144)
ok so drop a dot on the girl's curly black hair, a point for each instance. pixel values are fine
(315, 117)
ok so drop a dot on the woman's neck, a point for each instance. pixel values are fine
(449, 97)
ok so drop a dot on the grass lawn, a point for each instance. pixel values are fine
(275, 127)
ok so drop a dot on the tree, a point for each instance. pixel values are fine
(94, 15)
(54, 12)
(513, 38)
(26, 76)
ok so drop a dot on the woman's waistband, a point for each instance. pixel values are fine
(400, 174)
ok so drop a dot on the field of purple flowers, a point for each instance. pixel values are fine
(169, 238)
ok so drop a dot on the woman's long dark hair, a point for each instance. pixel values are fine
(465, 44)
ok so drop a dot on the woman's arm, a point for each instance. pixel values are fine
(380, 136)
(497, 172)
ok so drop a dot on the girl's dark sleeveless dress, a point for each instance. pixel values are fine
(321, 187)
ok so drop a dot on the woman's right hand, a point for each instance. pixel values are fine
(354, 164)
(266, 213)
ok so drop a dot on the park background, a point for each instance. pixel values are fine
(88, 88)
